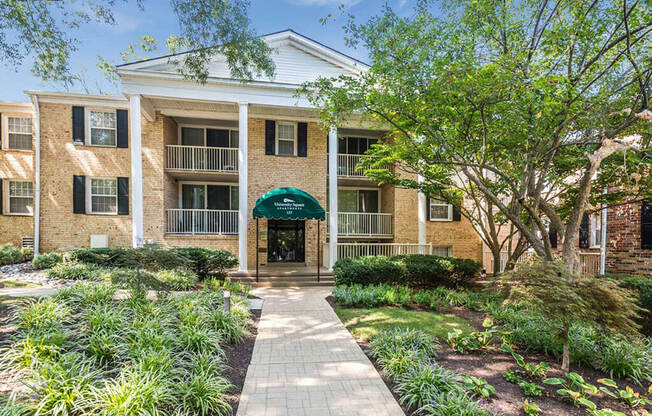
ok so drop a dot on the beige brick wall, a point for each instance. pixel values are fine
(60, 160)
(267, 172)
(14, 165)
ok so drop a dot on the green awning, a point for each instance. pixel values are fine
(288, 204)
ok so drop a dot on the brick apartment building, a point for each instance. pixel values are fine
(168, 164)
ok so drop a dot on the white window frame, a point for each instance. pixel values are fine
(89, 195)
(449, 248)
(7, 201)
(595, 230)
(5, 132)
(276, 138)
(205, 184)
(205, 128)
(89, 128)
(440, 203)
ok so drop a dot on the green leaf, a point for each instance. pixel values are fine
(587, 403)
(608, 382)
(555, 381)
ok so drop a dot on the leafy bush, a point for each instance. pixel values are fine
(26, 253)
(9, 254)
(416, 270)
(206, 262)
(420, 385)
(453, 403)
(76, 271)
(642, 285)
(47, 260)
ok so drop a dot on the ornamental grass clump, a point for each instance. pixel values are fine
(82, 351)
(46, 260)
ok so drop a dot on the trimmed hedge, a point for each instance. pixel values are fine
(414, 270)
(203, 262)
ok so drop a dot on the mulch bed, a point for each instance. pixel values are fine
(238, 358)
(490, 365)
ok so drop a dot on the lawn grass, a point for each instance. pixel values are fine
(6, 284)
(364, 323)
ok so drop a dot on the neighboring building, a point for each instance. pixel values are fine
(168, 163)
(16, 173)
(629, 239)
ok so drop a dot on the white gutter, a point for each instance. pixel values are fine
(37, 175)
(603, 242)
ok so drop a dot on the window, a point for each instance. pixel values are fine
(200, 136)
(286, 139)
(596, 230)
(19, 133)
(213, 197)
(21, 197)
(104, 196)
(442, 251)
(102, 128)
(358, 200)
(646, 225)
(355, 145)
(440, 210)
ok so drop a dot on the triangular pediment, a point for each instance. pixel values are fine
(297, 59)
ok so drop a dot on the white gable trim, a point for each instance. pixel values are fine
(274, 40)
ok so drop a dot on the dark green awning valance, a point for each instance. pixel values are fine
(288, 204)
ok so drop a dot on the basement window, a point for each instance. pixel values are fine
(442, 251)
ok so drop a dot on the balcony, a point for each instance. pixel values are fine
(347, 166)
(201, 159)
(363, 224)
(201, 221)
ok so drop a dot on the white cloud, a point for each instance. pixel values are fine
(324, 2)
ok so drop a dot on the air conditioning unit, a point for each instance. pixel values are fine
(99, 241)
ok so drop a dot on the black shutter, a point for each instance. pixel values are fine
(1, 139)
(584, 231)
(270, 136)
(122, 124)
(457, 213)
(1, 189)
(79, 194)
(78, 131)
(427, 208)
(646, 225)
(123, 196)
(552, 236)
(302, 139)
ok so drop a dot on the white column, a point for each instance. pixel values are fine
(136, 171)
(332, 196)
(421, 216)
(243, 191)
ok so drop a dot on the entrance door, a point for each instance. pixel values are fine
(286, 241)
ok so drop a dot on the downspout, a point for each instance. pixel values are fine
(603, 239)
(37, 175)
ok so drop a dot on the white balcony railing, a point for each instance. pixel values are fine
(375, 249)
(201, 158)
(201, 221)
(347, 164)
(363, 224)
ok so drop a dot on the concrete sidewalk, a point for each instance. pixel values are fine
(305, 362)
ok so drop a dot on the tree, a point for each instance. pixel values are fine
(43, 29)
(542, 103)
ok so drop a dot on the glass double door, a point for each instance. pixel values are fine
(286, 241)
(206, 208)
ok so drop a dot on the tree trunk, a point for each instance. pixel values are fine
(496, 270)
(565, 360)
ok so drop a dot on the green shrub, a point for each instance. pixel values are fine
(177, 279)
(126, 257)
(26, 253)
(642, 285)
(9, 254)
(76, 271)
(206, 262)
(47, 260)
(420, 385)
(414, 270)
(368, 270)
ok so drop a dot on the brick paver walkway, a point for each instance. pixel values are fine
(305, 362)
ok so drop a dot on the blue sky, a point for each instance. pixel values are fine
(159, 21)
